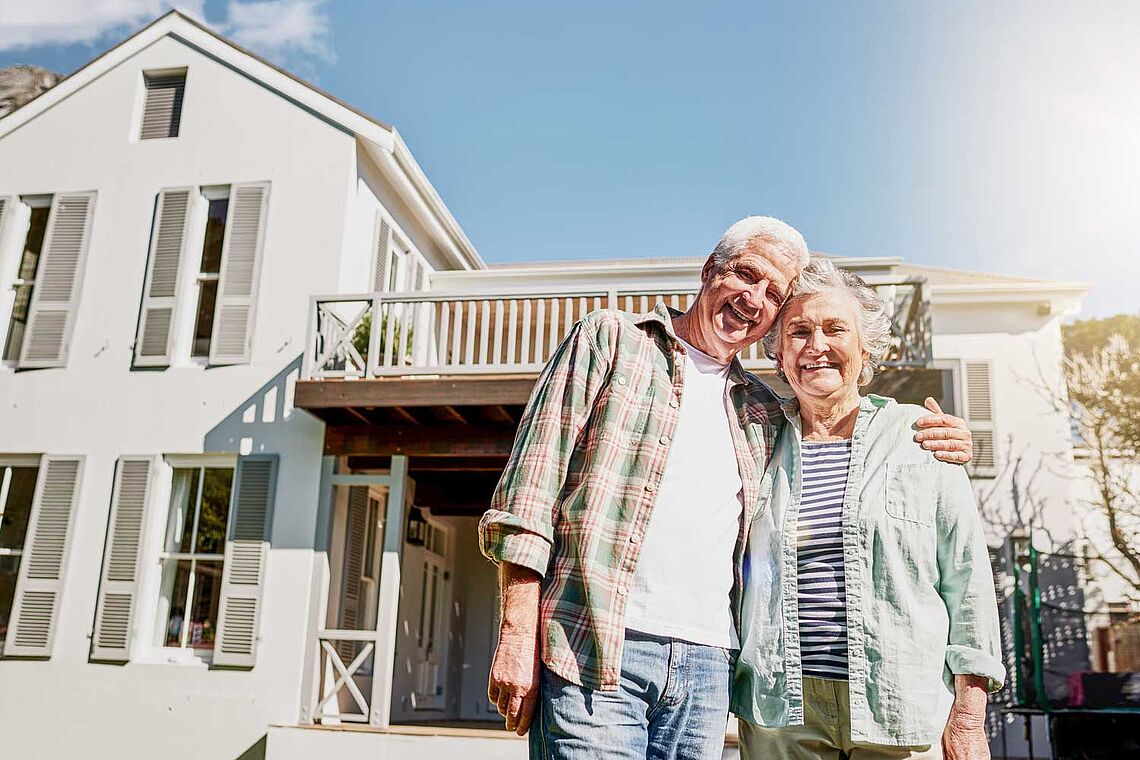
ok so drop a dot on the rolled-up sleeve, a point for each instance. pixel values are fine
(519, 526)
(967, 584)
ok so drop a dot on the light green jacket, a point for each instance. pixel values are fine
(920, 596)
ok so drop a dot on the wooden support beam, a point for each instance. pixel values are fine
(452, 391)
(498, 413)
(423, 440)
(450, 414)
(357, 414)
(403, 415)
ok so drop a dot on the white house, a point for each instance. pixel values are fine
(257, 385)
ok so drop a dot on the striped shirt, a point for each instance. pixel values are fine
(819, 541)
(575, 498)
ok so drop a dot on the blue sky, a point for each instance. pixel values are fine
(996, 137)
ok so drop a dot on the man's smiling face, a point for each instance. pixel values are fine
(739, 303)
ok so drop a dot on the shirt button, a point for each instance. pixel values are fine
(649, 487)
(622, 590)
(664, 439)
(635, 539)
(674, 403)
(620, 380)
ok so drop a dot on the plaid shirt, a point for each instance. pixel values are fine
(576, 496)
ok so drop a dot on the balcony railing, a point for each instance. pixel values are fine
(374, 335)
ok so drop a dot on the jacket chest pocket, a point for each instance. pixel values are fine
(912, 492)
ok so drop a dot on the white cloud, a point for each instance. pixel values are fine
(278, 29)
(30, 23)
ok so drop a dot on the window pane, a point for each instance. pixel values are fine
(203, 618)
(9, 568)
(183, 499)
(18, 505)
(175, 582)
(215, 510)
(215, 233)
(29, 263)
(204, 326)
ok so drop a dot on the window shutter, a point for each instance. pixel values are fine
(979, 408)
(118, 586)
(382, 257)
(419, 273)
(356, 539)
(160, 296)
(51, 317)
(247, 545)
(162, 112)
(5, 204)
(40, 585)
(241, 260)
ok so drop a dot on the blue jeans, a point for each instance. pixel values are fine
(672, 702)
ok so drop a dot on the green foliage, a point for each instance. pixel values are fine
(1086, 336)
(1103, 371)
(360, 337)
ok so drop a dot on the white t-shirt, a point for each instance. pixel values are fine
(683, 581)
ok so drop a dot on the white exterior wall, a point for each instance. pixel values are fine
(232, 130)
(1024, 351)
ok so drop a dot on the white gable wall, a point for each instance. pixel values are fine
(232, 130)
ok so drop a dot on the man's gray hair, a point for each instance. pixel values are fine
(770, 232)
(821, 276)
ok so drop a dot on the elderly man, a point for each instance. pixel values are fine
(620, 521)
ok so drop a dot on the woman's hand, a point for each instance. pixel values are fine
(946, 435)
(965, 735)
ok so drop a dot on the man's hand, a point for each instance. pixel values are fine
(965, 735)
(513, 683)
(944, 434)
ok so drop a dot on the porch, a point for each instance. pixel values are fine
(421, 394)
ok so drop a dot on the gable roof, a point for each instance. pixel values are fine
(381, 139)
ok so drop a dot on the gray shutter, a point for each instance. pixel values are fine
(356, 540)
(40, 585)
(247, 549)
(162, 112)
(382, 256)
(419, 273)
(237, 288)
(160, 295)
(55, 298)
(979, 408)
(118, 587)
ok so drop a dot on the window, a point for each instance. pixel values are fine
(26, 275)
(398, 266)
(162, 106)
(210, 270)
(17, 488)
(202, 275)
(193, 557)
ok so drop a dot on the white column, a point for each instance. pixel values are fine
(388, 606)
(318, 594)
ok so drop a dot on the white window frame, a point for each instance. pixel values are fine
(194, 278)
(17, 226)
(152, 623)
(15, 460)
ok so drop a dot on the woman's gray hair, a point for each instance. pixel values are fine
(767, 230)
(820, 276)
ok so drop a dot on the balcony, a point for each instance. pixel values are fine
(429, 334)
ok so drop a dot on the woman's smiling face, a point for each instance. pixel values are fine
(821, 352)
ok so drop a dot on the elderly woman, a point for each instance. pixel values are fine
(870, 623)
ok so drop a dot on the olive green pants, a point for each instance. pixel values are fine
(825, 735)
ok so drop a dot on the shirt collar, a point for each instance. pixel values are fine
(867, 405)
(663, 315)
